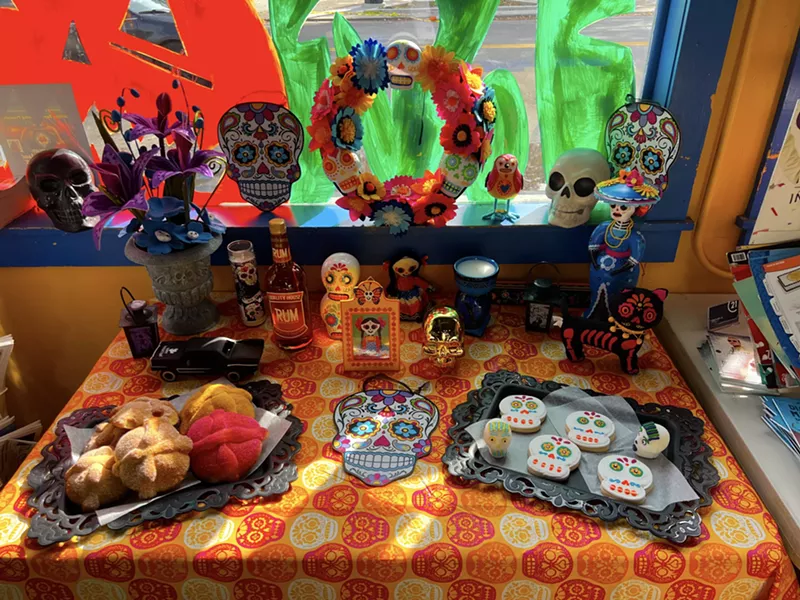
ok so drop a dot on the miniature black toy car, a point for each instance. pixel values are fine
(207, 356)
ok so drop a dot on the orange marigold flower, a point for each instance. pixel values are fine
(371, 188)
(436, 209)
(436, 65)
(352, 96)
(430, 183)
(320, 132)
(340, 68)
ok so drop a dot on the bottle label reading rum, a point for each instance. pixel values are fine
(288, 316)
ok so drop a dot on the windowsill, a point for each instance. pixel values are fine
(317, 230)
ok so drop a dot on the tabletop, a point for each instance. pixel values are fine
(427, 537)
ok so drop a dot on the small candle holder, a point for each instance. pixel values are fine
(476, 277)
(245, 277)
(139, 321)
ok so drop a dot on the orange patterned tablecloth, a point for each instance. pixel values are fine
(428, 537)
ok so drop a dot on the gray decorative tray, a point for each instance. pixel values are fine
(688, 452)
(58, 520)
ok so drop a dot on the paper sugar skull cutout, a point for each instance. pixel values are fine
(382, 433)
(523, 413)
(460, 172)
(571, 185)
(262, 142)
(404, 59)
(59, 181)
(552, 457)
(642, 140)
(497, 436)
(444, 336)
(590, 430)
(651, 440)
(343, 168)
(624, 478)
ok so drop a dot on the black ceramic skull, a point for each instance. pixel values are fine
(59, 180)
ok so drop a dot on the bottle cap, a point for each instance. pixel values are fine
(277, 226)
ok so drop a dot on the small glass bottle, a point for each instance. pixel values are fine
(139, 320)
(287, 293)
(245, 276)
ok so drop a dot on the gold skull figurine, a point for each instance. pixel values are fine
(444, 336)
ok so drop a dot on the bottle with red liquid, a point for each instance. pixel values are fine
(287, 293)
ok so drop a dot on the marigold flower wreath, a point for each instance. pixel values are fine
(467, 106)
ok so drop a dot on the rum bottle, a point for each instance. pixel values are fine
(287, 293)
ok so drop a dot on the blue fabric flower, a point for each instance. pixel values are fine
(213, 224)
(370, 66)
(405, 430)
(348, 131)
(397, 216)
(164, 208)
(485, 108)
(158, 237)
(278, 154)
(193, 233)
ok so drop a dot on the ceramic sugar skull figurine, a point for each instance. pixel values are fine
(404, 58)
(262, 142)
(343, 168)
(59, 181)
(651, 440)
(444, 336)
(589, 430)
(570, 186)
(553, 457)
(523, 413)
(497, 435)
(340, 273)
(459, 172)
(624, 478)
(382, 433)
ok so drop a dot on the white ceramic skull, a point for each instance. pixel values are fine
(651, 440)
(460, 172)
(497, 436)
(343, 168)
(624, 478)
(262, 142)
(382, 433)
(523, 413)
(552, 457)
(404, 59)
(590, 430)
(571, 186)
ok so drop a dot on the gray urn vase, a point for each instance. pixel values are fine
(182, 281)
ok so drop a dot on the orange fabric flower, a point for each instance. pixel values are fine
(340, 68)
(371, 188)
(436, 64)
(320, 132)
(473, 76)
(436, 209)
(461, 136)
(358, 207)
(429, 184)
(452, 97)
(352, 96)
(486, 147)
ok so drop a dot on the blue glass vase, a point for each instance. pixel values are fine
(476, 277)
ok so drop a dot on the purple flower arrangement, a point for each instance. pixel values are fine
(156, 185)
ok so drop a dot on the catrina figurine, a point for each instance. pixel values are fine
(632, 313)
(406, 285)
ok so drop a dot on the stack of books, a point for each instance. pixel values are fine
(782, 416)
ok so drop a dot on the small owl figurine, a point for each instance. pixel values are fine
(504, 183)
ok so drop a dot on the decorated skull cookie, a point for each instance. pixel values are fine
(624, 478)
(651, 440)
(523, 413)
(497, 435)
(552, 457)
(590, 431)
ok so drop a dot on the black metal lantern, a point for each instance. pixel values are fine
(541, 297)
(140, 323)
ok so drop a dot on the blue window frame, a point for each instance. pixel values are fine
(690, 41)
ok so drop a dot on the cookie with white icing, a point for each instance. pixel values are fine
(624, 478)
(590, 431)
(552, 457)
(523, 413)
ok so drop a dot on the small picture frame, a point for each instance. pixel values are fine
(538, 317)
(371, 330)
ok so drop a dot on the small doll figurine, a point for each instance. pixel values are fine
(504, 182)
(406, 285)
(340, 273)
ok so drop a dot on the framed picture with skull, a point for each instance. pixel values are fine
(371, 330)
(538, 317)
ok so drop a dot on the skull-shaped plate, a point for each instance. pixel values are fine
(382, 433)
(262, 142)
